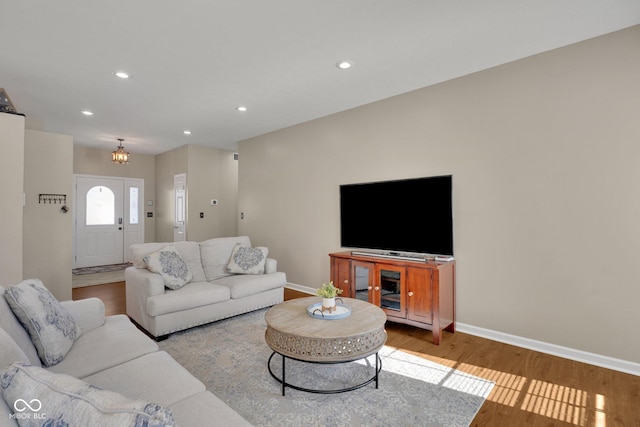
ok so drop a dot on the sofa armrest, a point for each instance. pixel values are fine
(88, 313)
(143, 282)
(270, 266)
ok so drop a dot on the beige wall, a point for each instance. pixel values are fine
(545, 157)
(168, 165)
(91, 161)
(48, 232)
(211, 174)
(11, 210)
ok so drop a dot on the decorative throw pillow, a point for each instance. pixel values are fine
(168, 263)
(52, 329)
(62, 400)
(246, 260)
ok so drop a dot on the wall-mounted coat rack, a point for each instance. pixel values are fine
(52, 198)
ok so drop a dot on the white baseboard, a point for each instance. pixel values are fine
(301, 288)
(553, 349)
(543, 347)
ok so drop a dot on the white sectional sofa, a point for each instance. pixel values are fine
(213, 292)
(109, 353)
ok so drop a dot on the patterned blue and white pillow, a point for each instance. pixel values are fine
(246, 260)
(62, 400)
(52, 328)
(168, 263)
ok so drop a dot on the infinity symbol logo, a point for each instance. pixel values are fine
(37, 405)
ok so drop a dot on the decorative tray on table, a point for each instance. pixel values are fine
(341, 311)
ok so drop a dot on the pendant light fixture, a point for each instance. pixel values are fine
(120, 156)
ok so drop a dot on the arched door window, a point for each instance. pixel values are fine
(101, 206)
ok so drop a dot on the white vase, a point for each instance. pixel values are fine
(328, 304)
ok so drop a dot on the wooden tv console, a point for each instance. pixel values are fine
(419, 293)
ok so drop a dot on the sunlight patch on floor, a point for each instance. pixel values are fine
(558, 402)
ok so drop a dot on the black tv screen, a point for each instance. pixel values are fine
(409, 215)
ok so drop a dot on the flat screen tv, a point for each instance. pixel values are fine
(409, 215)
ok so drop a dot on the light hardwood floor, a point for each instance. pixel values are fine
(532, 389)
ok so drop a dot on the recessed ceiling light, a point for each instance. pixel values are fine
(241, 108)
(344, 65)
(187, 132)
(122, 75)
(87, 113)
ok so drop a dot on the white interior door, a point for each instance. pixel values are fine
(180, 223)
(108, 219)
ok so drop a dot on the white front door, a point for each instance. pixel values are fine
(180, 224)
(108, 219)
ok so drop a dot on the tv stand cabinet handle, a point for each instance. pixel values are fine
(410, 294)
(369, 287)
(377, 288)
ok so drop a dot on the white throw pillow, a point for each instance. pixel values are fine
(62, 400)
(52, 329)
(246, 260)
(168, 263)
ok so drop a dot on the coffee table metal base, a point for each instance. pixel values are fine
(310, 390)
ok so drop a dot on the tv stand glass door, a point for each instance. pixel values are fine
(363, 279)
(389, 290)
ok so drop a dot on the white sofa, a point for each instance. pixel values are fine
(112, 354)
(212, 294)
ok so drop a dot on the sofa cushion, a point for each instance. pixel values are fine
(52, 329)
(155, 377)
(207, 406)
(12, 326)
(65, 400)
(241, 286)
(190, 253)
(216, 253)
(9, 351)
(168, 263)
(247, 260)
(99, 343)
(194, 294)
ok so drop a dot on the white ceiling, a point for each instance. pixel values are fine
(194, 61)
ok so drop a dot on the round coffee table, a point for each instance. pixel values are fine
(294, 334)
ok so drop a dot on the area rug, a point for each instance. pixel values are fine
(230, 358)
(100, 268)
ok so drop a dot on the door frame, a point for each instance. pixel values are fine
(127, 184)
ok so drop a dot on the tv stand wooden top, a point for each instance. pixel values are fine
(388, 258)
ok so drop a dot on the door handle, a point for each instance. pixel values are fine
(119, 228)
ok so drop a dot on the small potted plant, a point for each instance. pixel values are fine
(328, 292)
